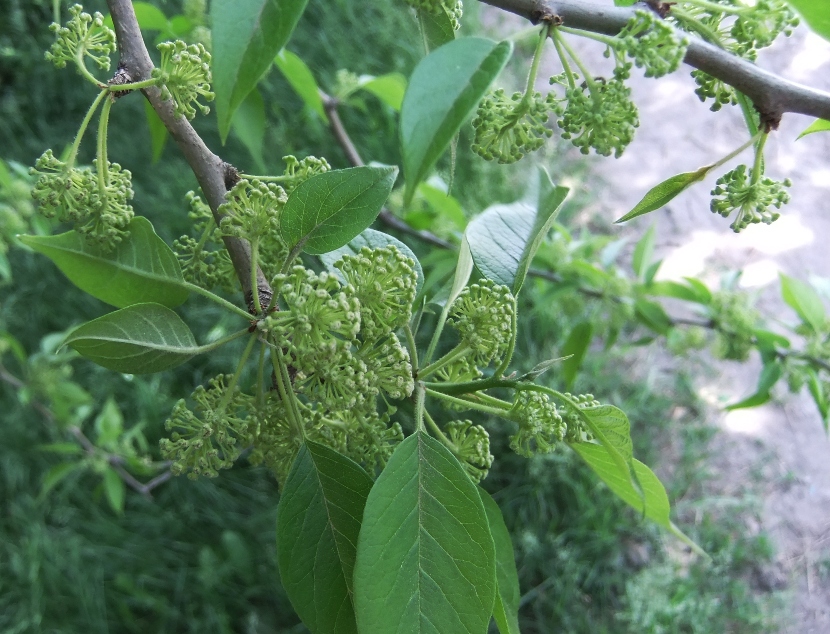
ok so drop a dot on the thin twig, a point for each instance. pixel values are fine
(210, 170)
(113, 460)
(771, 94)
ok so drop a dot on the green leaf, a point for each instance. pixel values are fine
(611, 426)
(58, 473)
(820, 397)
(540, 368)
(677, 290)
(653, 503)
(575, 347)
(666, 191)
(374, 240)
(819, 125)
(142, 268)
(5, 175)
(5, 268)
(445, 205)
(138, 340)
(504, 238)
(150, 17)
(702, 290)
(249, 125)
(426, 560)
(436, 29)
(652, 315)
(508, 596)
(643, 253)
(109, 423)
(299, 75)
(158, 131)
(318, 521)
(389, 88)
(769, 376)
(816, 14)
(803, 300)
(115, 490)
(443, 91)
(65, 448)
(329, 209)
(246, 36)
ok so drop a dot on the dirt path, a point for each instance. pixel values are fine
(678, 134)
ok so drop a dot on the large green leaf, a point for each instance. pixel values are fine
(142, 268)
(138, 340)
(816, 13)
(653, 502)
(443, 91)
(426, 560)
(302, 80)
(504, 238)
(805, 301)
(389, 88)
(374, 240)
(508, 595)
(575, 347)
(246, 36)
(819, 125)
(318, 522)
(249, 125)
(660, 195)
(329, 209)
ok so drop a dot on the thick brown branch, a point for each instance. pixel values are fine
(772, 95)
(210, 170)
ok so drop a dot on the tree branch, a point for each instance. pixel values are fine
(210, 170)
(772, 95)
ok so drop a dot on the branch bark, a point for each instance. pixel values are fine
(772, 95)
(210, 170)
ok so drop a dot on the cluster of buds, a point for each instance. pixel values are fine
(735, 321)
(388, 367)
(483, 315)
(599, 115)
(385, 282)
(652, 44)
(370, 437)
(472, 447)
(507, 128)
(453, 8)
(297, 171)
(752, 197)
(252, 211)
(184, 76)
(541, 425)
(212, 435)
(577, 430)
(759, 25)
(83, 36)
(76, 195)
(201, 264)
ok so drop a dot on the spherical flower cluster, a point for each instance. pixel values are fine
(370, 438)
(752, 198)
(204, 262)
(652, 44)
(76, 195)
(709, 87)
(252, 210)
(541, 425)
(211, 436)
(577, 430)
(600, 115)
(461, 370)
(507, 128)
(83, 36)
(297, 171)
(735, 321)
(483, 316)
(472, 448)
(387, 366)
(184, 76)
(385, 282)
(453, 8)
(759, 26)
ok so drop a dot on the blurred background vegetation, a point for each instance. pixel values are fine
(200, 556)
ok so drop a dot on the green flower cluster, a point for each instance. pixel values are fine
(453, 8)
(184, 76)
(753, 196)
(99, 208)
(204, 262)
(213, 434)
(472, 448)
(652, 44)
(577, 430)
(483, 315)
(709, 87)
(252, 210)
(385, 284)
(735, 321)
(599, 115)
(541, 425)
(297, 171)
(83, 36)
(507, 128)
